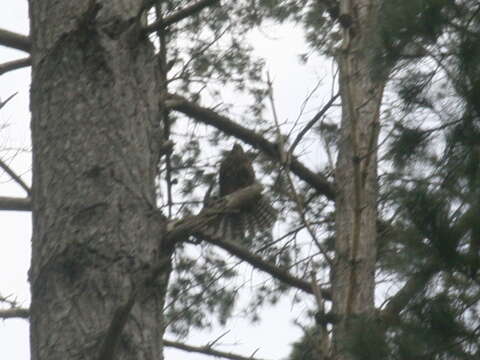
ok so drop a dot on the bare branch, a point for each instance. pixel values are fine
(260, 264)
(285, 162)
(312, 122)
(14, 40)
(222, 123)
(15, 177)
(207, 350)
(197, 225)
(14, 313)
(14, 65)
(180, 15)
(15, 204)
(3, 103)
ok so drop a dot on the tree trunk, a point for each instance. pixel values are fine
(353, 277)
(95, 134)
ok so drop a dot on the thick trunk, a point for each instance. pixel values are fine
(95, 111)
(353, 277)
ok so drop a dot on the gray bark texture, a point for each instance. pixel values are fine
(96, 235)
(353, 276)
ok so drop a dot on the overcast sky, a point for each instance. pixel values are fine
(280, 47)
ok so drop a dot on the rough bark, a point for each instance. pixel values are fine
(95, 244)
(353, 276)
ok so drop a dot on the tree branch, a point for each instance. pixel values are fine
(15, 204)
(180, 15)
(312, 122)
(14, 40)
(197, 226)
(5, 102)
(14, 65)
(181, 229)
(207, 350)
(15, 177)
(14, 313)
(220, 122)
(258, 263)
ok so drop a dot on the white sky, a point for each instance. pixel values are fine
(292, 83)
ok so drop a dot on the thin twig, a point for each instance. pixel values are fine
(312, 122)
(3, 103)
(285, 166)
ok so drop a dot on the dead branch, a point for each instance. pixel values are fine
(14, 313)
(226, 125)
(15, 204)
(180, 15)
(5, 102)
(14, 65)
(312, 122)
(15, 177)
(207, 350)
(14, 40)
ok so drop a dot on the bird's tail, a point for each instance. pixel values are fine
(243, 225)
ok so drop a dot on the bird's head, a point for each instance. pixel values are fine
(237, 149)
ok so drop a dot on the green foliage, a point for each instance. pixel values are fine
(305, 348)
(408, 25)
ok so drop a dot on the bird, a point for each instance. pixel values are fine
(256, 218)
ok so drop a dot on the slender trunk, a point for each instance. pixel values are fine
(96, 237)
(353, 277)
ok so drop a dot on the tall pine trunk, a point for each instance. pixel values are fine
(353, 277)
(95, 110)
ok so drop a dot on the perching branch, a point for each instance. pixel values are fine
(14, 40)
(223, 123)
(197, 225)
(180, 15)
(207, 350)
(14, 313)
(181, 229)
(15, 204)
(14, 65)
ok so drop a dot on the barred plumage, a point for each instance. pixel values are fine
(256, 218)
